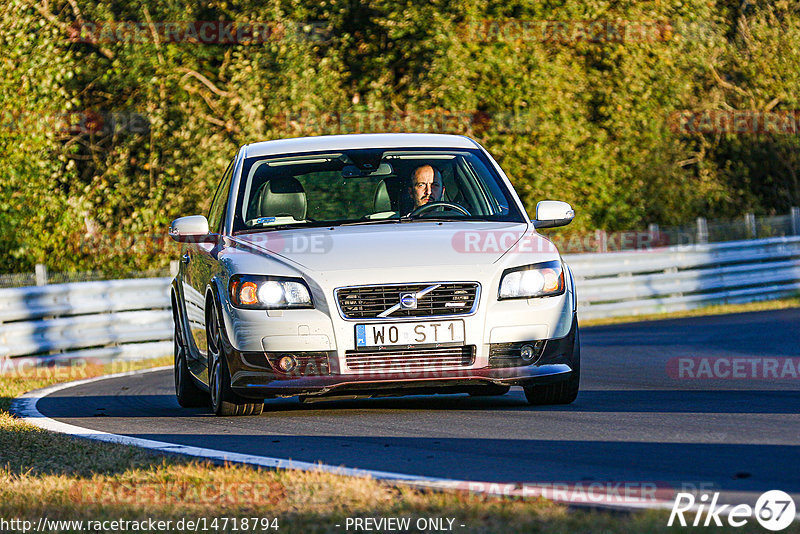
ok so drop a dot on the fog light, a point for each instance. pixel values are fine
(527, 352)
(287, 363)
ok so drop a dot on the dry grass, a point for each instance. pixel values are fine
(722, 309)
(43, 474)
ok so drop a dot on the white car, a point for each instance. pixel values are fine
(370, 265)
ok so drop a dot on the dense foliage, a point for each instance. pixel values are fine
(106, 137)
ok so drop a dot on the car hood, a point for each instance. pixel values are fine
(392, 245)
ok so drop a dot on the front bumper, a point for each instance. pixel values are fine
(255, 375)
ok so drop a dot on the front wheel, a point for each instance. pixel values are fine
(564, 392)
(223, 400)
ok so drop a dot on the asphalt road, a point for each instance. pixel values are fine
(634, 420)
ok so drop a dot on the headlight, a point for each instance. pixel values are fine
(537, 280)
(269, 292)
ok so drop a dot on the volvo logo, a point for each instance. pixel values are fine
(408, 301)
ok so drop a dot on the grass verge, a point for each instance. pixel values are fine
(721, 309)
(53, 476)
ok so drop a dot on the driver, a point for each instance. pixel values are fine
(426, 185)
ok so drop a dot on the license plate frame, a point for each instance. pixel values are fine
(447, 333)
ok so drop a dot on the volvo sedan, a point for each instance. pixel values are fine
(370, 265)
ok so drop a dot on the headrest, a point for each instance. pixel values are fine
(381, 201)
(282, 197)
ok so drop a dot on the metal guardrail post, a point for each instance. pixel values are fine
(653, 234)
(795, 216)
(702, 230)
(750, 225)
(41, 274)
(602, 240)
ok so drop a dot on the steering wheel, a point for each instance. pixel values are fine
(425, 208)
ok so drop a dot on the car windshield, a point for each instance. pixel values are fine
(370, 187)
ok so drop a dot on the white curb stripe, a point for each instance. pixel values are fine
(24, 407)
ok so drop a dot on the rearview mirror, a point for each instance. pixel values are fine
(191, 229)
(553, 213)
(352, 171)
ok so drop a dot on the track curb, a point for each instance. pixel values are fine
(25, 408)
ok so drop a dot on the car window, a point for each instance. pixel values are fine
(347, 187)
(332, 197)
(216, 213)
(488, 193)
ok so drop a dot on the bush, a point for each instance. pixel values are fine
(109, 138)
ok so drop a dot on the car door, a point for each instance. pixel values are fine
(200, 260)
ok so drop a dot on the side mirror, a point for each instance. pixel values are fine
(553, 213)
(191, 229)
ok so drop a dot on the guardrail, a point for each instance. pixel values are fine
(685, 277)
(102, 321)
(131, 319)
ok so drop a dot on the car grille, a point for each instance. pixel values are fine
(410, 359)
(367, 302)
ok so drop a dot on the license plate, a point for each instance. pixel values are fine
(411, 334)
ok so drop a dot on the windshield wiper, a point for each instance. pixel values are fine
(406, 218)
(285, 226)
(368, 221)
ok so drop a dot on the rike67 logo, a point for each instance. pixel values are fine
(774, 510)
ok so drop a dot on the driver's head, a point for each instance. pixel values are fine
(426, 185)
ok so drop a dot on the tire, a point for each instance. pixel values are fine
(186, 391)
(489, 391)
(223, 400)
(564, 392)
